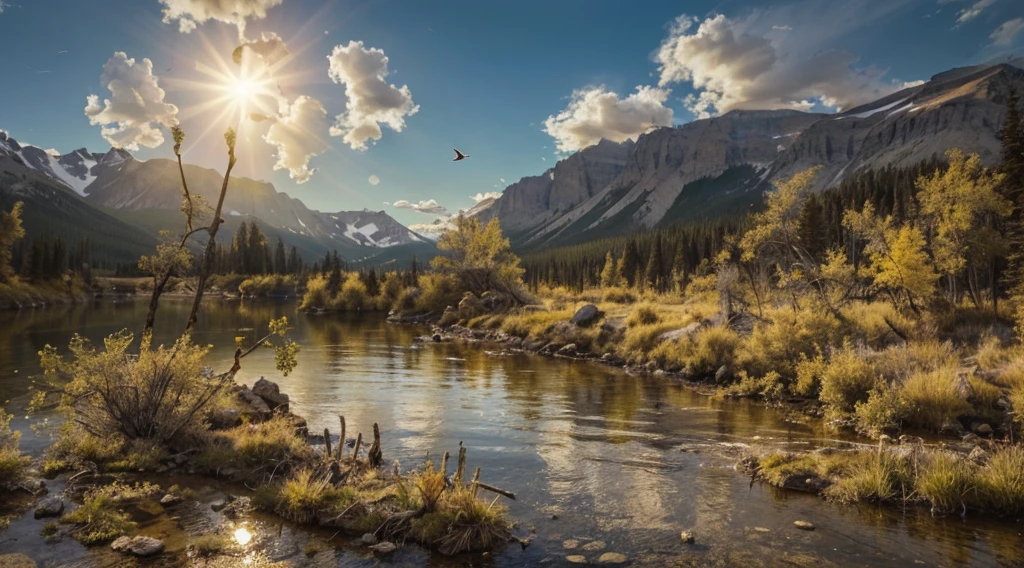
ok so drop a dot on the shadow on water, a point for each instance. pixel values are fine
(610, 461)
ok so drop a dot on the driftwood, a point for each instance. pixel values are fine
(460, 469)
(341, 441)
(375, 456)
(359, 443)
(498, 490)
(444, 464)
(327, 443)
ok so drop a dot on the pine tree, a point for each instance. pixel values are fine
(631, 262)
(655, 266)
(811, 230)
(280, 261)
(294, 261)
(609, 274)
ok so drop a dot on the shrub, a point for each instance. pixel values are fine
(618, 296)
(12, 463)
(100, 518)
(436, 293)
(846, 380)
(945, 480)
(640, 340)
(316, 297)
(991, 354)
(702, 353)
(884, 410)
(643, 314)
(933, 399)
(307, 497)
(780, 345)
(264, 447)
(875, 476)
(353, 296)
(1001, 481)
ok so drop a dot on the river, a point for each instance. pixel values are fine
(592, 453)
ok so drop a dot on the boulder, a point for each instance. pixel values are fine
(470, 306)
(369, 539)
(17, 560)
(138, 546)
(436, 338)
(586, 315)
(384, 548)
(722, 373)
(52, 506)
(224, 418)
(612, 559)
(271, 394)
(568, 351)
(978, 455)
(677, 334)
(170, 499)
(983, 429)
(260, 409)
(803, 525)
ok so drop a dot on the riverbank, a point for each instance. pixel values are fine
(18, 294)
(109, 499)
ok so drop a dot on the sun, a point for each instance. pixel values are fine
(243, 90)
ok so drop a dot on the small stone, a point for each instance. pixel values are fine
(146, 546)
(17, 560)
(983, 430)
(722, 373)
(576, 559)
(170, 499)
(436, 338)
(687, 537)
(554, 517)
(52, 506)
(612, 558)
(369, 539)
(571, 544)
(121, 543)
(594, 546)
(803, 525)
(568, 350)
(978, 455)
(384, 548)
(761, 530)
(218, 505)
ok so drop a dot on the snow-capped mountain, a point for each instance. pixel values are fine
(722, 165)
(116, 180)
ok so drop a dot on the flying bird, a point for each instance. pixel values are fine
(459, 155)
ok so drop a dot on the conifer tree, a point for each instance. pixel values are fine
(280, 260)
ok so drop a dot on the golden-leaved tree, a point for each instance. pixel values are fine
(480, 259)
(10, 233)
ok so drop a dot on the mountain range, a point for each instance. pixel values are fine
(722, 165)
(140, 198)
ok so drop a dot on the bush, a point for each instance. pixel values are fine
(316, 297)
(846, 381)
(932, 398)
(641, 340)
(884, 410)
(100, 519)
(945, 480)
(257, 448)
(780, 345)
(701, 353)
(643, 314)
(307, 497)
(353, 296)
(437, 292)
(12, 463)
(618, 296)
(1001, 481)
(874, 476)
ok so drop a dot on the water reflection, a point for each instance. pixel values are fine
(626, 460)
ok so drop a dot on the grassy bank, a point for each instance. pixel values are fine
(18, 293)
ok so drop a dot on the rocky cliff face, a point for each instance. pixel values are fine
(728, 161)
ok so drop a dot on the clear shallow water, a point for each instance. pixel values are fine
(629, 461)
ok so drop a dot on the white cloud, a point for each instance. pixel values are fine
(1005, 33)
(432, 230)
(543, 159)
(429, 206)
(740, 64)
(298, 137)
(372, 101)
(482, 196)
(3, 5)
(269, 46)
(975, 10)
(783, 28)
(133, 114)
(594, 113)
(191, 13)
(374, 180)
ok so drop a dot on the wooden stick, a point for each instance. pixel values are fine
(444, 464)
(359, 442)
(327, 443)
(460, 470)
(375, 456)
(341, 444)
(497, 490)
(476, 479)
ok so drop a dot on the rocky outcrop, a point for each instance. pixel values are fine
(271, 394)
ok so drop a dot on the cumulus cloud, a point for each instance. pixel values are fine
(973, 11)
(374, 180)
(269, 46)
(297, 135)
(191, 13)
(594, 113)
(738, 64)
(483, 196)
(1005, 34)
(133, 114)
(372, 101)
(429, 206)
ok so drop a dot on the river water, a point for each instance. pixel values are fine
(593, 454)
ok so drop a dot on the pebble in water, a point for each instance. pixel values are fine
(803, 525)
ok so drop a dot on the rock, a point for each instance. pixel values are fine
(568, 350)
(224, 418)
(369, 539)
(612, 558)
(33, 486)
(170, 499)
(722, 373)
(687, 537)
(218, 505)
(952, 428)
(803, 525)
(436, 338)
(594, 546)
(52, 506)
(17, 560)
(384, 548)
(586, 315)
(978, 455)
(983, 430)
(677, 334)
(470, 306)
(257, 404)
(971, 438)
(138, 546)
(905, 439)
(576, 559)
(571, 544)
(271, 394)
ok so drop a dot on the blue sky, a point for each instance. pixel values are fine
(483, 76)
